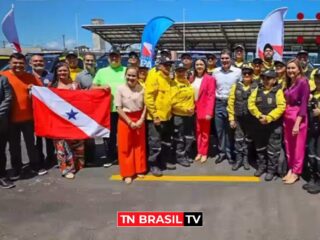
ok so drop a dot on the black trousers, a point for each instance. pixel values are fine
(89, 150)
(159, 143)
(49, 150)
(27, 129)
(183, 137)
(242, 137)
(3, 142)
(267, 140)
(110, 143)
(314, 152)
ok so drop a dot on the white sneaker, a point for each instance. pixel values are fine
(107, 165)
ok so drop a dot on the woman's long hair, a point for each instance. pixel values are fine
(298, 64)
(55, 80)
(195, 73)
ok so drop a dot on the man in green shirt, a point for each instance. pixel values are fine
(111, 77)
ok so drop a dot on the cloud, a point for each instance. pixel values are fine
(70, 44)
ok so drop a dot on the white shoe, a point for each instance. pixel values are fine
(107, 165)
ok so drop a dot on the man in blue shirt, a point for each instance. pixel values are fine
(225, 76)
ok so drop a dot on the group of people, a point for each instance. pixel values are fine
(174, 113)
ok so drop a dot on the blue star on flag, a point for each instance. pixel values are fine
(72, 114)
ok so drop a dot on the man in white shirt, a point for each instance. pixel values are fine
(226, 76)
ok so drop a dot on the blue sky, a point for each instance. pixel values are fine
(43, 22)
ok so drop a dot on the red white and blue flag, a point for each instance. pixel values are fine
(272, 31)
(9, 30)
(71, 114)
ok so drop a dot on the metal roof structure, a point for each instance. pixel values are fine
(211, 35)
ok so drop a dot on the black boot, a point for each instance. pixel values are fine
(238, 162)
(269, 177)
(314, 189)
(309, 184)
(259, 172)
(246, 164)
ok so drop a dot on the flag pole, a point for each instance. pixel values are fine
(184, 28)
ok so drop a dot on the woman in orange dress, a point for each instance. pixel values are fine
(131, 127)
(70, 153)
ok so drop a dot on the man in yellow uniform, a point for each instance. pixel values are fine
(239, 55)
(240, 118)
(281, 70)
(257, 66)
(212, 63)
(267, 104)
(183, 110)
(72, 61)
(268, 53)
(143, 74)
(158, 92)
(313, 185)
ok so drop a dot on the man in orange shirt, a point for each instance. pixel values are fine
(21, 115)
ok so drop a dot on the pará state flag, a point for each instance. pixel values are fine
(71, 114)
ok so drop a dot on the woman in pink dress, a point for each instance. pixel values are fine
(295, 119)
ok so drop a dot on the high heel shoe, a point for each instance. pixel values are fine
(203, 159)
(198, 157)
(285, 178)
(292, 179)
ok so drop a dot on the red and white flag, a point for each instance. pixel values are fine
(71, 114)
(9, 30)
(272, 31)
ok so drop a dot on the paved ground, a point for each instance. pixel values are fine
(53, 208)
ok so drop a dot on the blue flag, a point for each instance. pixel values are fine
(150, 37)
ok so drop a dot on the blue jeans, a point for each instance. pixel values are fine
(224, 133)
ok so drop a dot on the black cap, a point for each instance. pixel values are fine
(301, 52)
(133, 54)
(211, 55)
(186, 55)
(165, 51)
(114, 50)
(71, 54)
(246, 67)
(257, 61)
(239, 46)
(143, 67)
(179, 65)
(269, 73)
(165, 60)
(276, 62)
(268, 45)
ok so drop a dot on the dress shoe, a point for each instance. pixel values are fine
(218, 159)
(236, 166)
(190, 160)
(259, 172)
(292, 179)
(269, 177)
(155, 171)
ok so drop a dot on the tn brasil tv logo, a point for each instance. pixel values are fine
(159, 219)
